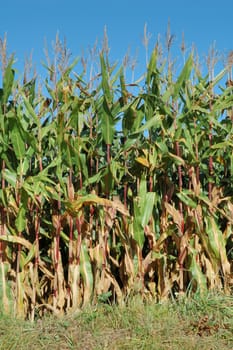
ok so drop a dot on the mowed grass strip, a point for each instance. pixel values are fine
(185, 324)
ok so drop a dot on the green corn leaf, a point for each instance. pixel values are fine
(30, 110)
(1, 96)
(95, 178)
(151, 67)
(86, 273)
(46, 129)
(116, 76)
(130, 142)
(138, 231)
(71, 67)
(23, 166)
(8, 81)
(184, 75)
(18, 142)
(4, 202)
(223, 145)
(105, 80)
(231, 165)
(29, 89)
(65, 238)
(107, 124)
(143, 208)
(178, 160)
(147, 206)
(10, 177)
(205, 199)
(186, 199)
(200, 109)
(162, 147)
(123, 88)
(197, 274)
(83, 164)
(189, 142)
(218, 77)
(216, 239)
(30, 256)
(20, 221)
(155, 121)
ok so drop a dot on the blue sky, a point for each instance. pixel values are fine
(28, 23)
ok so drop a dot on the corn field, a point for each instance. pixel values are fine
(111, 189)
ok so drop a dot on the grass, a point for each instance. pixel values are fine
(190, 323)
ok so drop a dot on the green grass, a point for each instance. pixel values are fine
(196, 323)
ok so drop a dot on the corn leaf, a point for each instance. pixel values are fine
(105, 80)
(183, 77)
(197, 274)
(86, 273)
(8, 81)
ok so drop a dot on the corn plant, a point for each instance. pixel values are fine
(106, 193)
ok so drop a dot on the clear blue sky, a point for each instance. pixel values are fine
(28, 22)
